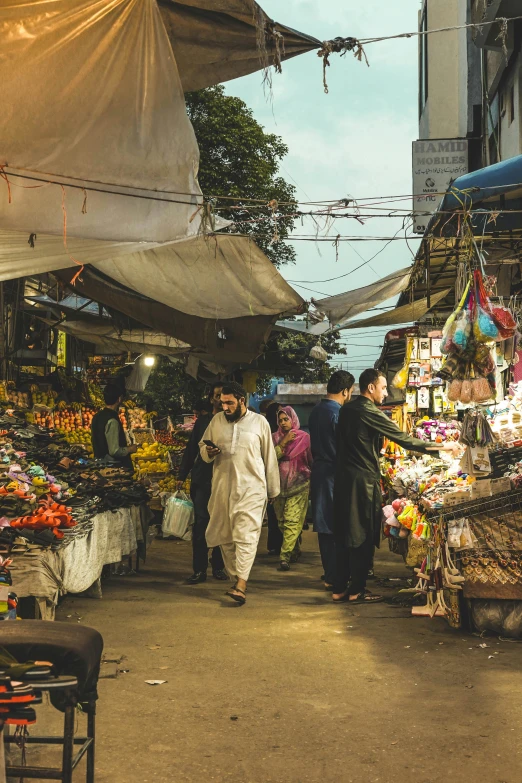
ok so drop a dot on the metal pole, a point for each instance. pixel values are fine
(427, 255)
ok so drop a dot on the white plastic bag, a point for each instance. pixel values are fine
(178, 517)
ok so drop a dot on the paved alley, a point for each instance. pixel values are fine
(290, 688)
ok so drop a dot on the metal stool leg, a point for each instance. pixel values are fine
(68, 747)
(2, 754)
(91, 732)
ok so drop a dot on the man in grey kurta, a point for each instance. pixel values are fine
(245, 475)
(357, 493)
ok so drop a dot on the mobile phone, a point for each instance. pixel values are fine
(211, 445)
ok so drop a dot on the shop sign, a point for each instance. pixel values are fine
(436, 163)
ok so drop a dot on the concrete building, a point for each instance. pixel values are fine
(501, 59)
(470, 80)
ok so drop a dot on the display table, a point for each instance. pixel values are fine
(46, 575)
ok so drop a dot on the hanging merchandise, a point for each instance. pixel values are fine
(318, 352)
(484, 327)
(400, 379)
(448, 345)
(468, 341)
(476, 430)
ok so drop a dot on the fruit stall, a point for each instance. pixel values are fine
(63, 517)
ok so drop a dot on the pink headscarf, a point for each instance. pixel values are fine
(296, 463)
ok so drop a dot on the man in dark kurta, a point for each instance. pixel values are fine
(323, 435)
(200, 491)
(357, 492)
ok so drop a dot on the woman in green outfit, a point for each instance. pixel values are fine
(293, 451)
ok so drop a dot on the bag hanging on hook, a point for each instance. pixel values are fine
(317, 352)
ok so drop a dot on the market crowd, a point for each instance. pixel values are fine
(243, 464)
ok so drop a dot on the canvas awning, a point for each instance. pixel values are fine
(20, 257)
(232, 340)
(108, 339)
(91, 97)
(400, 315)
(340, 309)
(486, 185)
(222, 276)
(215, 41)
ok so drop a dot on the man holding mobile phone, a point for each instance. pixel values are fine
(239, 444)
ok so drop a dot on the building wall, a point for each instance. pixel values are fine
(445, 113)
(510, 101)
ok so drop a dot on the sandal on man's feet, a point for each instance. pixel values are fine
(343, 598)
(366, 598)
(237, 595)
(284, 565)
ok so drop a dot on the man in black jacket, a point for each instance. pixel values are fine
(108, 437)
(357, 492)
(200, 491)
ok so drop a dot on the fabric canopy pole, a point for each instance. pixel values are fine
(214, 42)
(91, 98)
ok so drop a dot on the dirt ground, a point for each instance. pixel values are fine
(291, 688)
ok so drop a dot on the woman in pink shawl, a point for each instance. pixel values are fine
(293, 451)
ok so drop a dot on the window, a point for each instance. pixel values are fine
(423, 60)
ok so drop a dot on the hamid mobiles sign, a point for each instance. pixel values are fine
(436, 162)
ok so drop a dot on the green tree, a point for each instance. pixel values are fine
(288, 355)
(239, 160)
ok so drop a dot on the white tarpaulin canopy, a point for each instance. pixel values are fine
(221, 276)
(109, 339)
(341, 309)
(46, 252)
(218, 40)
(91, 97)
(400, 315)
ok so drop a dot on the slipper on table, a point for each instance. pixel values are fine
(240, 599)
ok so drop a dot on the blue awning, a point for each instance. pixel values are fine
(486, 185)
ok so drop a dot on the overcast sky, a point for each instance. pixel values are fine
(353, 142)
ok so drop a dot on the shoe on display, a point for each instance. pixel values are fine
(197, 578)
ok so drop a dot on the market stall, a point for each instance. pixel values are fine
(63, 516)
(457, 522)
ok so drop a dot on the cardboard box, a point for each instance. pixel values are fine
(457, 498)
(481, 489)
(500, 485)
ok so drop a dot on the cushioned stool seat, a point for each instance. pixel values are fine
(74, 651)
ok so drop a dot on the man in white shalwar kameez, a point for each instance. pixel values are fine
(245, 475)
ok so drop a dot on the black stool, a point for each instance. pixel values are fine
(74, 651)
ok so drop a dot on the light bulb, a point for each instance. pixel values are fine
(149, 361)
